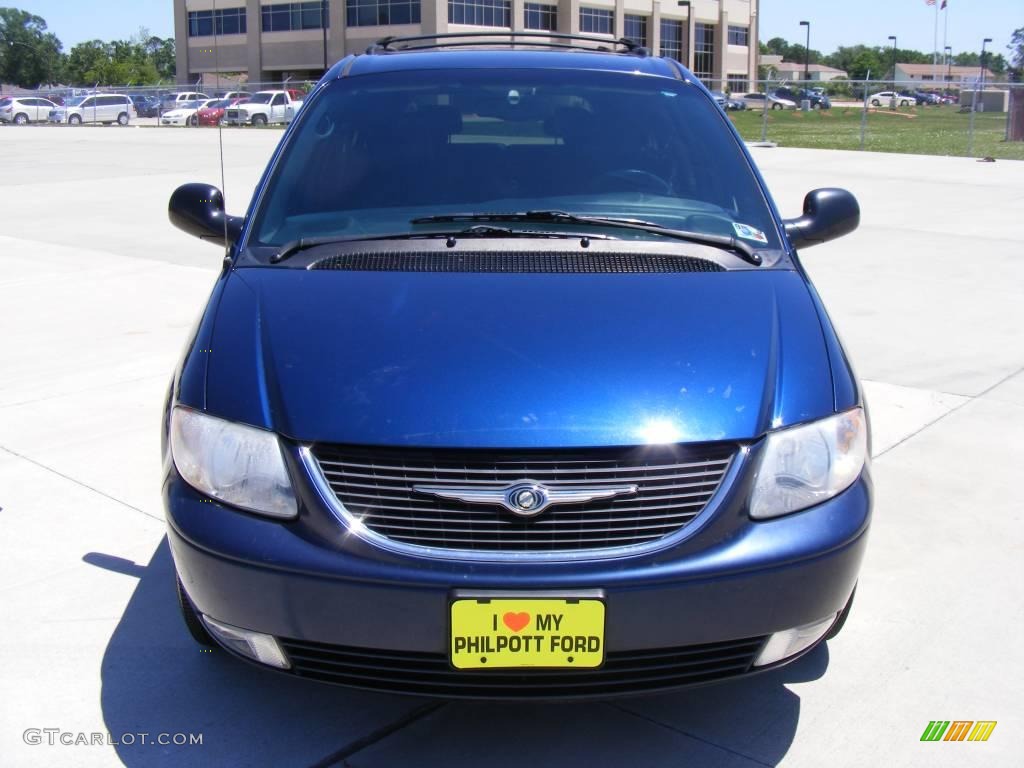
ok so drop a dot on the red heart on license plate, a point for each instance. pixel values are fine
(516, 621)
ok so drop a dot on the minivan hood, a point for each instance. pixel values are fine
(517, 360)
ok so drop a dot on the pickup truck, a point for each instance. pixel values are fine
(263, 107)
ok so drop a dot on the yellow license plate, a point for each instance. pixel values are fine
(499, 633)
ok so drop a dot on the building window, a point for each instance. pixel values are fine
(229, 21)
(738, 84)
(480, 13)
(636, 28)
(672, 39)
(597, 21)
(372, 13)
(704, 51)
(541, 16)
(285, 17)
(739, 35)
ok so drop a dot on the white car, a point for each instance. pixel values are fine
(186, 113)
(756, 101)
(105, 108)
(184, 96)
(263, 108)
(25, 109)
(884, 99)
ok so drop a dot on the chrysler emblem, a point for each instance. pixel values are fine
(526, 498)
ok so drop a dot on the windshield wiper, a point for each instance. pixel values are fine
(727, 242)
(302, 244)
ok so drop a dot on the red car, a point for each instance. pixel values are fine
(213, 114)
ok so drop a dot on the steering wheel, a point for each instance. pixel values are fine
(639, 180)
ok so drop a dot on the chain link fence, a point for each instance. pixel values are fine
(972, 119)
(152, 103)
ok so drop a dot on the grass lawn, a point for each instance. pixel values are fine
(914, 130)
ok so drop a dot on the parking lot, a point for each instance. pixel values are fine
(97, 295)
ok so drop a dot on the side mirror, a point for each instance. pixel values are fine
(199, 210)
(828, 213)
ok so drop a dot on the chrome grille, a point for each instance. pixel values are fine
(674, 483)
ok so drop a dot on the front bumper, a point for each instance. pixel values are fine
(174, 120)
(338, 603)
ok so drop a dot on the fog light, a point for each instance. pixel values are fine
(790, 642)
(253, 645)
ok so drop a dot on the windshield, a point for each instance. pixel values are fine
(220, 104)
(261, 98)
(76, 101)
(371, 153)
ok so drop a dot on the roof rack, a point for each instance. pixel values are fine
(559, 40)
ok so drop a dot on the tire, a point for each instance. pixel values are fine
(904, 103)
(843, 616)
(193, 623)
(122, 119)
(75, 120)
(194, 121)
(21, 119)
(259, 121)
(776, 106)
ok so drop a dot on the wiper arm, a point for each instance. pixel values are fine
(727, 242)
(295, 246)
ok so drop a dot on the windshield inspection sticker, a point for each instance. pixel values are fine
(749, 233)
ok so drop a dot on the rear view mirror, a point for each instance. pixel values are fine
(199, 210)
(828, 213)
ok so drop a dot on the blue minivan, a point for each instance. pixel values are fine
(513, 386)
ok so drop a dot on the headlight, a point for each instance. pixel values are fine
(240, 465)
(806, 465)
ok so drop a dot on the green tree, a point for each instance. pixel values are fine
(162, 54)
(1016, 48)
(119, 62)
(858, 60)
(29, 55)
(994, 62)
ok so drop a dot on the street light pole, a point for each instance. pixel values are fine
(807, 53)
(949, 67)
(323, 26)
(689, 21)
(892, 102)
(974, 99)
(984, 42)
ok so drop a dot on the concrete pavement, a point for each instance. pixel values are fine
(97, 293)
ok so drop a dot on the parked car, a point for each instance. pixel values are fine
(727, 103)
(262, 108)
(884, 99)
(22, 110)
(818, 100)
(186, 113)
(487, 416)
(757, 101)
(105, 108)
(213, 113)
(147, 106)
(185, 96)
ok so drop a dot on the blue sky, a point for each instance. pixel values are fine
(833, 22)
